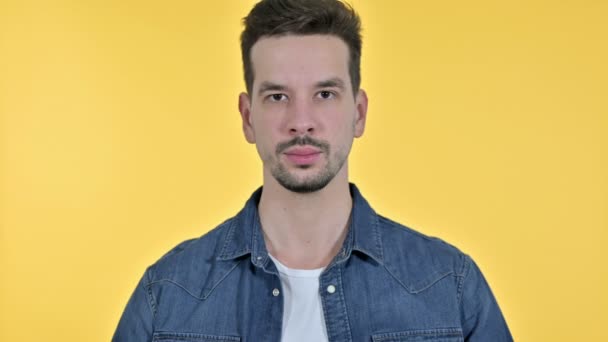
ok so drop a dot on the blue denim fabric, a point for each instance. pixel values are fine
(391, 284)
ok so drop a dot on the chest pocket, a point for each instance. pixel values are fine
(192, 337)
(426, 335)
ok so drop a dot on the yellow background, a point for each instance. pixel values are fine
(120, 137)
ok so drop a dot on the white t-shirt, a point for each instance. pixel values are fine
(303, 319)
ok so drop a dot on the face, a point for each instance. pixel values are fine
(302, 114)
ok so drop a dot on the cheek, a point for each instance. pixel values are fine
(342, 124)
(265, 150)
(265, 120)
(264, 138)
(347, 131)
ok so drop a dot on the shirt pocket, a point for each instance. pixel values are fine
(426, 335)
(191, 337)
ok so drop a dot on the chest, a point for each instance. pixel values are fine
(358, 302)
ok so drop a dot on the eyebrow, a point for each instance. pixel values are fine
(269, 86)
(331, 83)
(334, 82)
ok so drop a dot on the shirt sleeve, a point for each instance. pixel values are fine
(481, 317)
(136, 323)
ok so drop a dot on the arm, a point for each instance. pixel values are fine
(480, 315)
(136, 321)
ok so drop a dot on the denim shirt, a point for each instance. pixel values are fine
(388, 283)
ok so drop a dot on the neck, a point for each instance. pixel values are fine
(305, 231)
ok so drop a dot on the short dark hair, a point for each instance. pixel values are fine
(303, 17)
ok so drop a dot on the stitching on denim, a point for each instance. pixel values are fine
(328, 327)
(151, 300)
(345, 311)
(463, 258)
(330, 331)
(210, 290)
(228, 238)
(160, 336)
(254, 233)
(377, 254)
(235, 254)
(444, 332)
(439, 278)
(466, 267)
(378, 238)
(414, 290)
(207, 290)
(176, 284)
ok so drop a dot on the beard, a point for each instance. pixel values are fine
(313, 182)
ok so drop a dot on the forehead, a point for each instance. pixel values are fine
(299, 60)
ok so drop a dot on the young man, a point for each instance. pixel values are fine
(307, 259)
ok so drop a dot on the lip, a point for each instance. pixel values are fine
(302, 151)
(303, 155)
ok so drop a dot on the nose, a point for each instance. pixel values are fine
(300, 118)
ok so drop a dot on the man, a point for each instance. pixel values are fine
(307, 259)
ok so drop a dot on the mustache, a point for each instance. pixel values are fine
(305, 140)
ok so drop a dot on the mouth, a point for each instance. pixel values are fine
(302, 151)
(303, 155)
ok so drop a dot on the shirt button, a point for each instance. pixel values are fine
(276, 292)
(331, 289)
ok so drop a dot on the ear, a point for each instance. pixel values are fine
(245, 110)
(361, 103)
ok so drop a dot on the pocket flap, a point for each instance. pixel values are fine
(192, 337)
(427, 335)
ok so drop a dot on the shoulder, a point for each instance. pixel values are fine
(416, 259)
(187, 263)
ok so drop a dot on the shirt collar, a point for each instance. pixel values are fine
(245, 236)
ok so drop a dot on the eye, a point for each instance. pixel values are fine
(326, 94)
(277, 97)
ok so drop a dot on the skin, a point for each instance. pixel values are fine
(302, 93)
